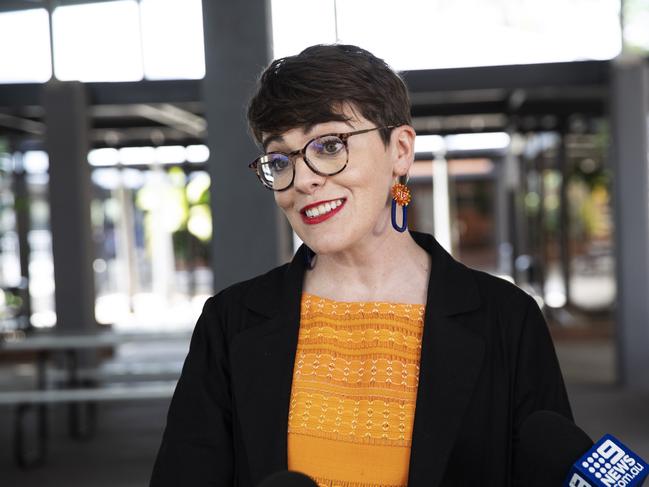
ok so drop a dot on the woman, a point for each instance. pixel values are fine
(373, 358)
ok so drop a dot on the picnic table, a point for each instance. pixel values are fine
(82, 387)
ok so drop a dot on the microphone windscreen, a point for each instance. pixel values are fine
(548, 445)
(288, 479)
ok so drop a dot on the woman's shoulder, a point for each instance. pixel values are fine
(506, 312)
(249, 291)
(501, 292)
(241, 304)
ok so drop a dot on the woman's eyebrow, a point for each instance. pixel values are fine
(271, 139)
(309, 128)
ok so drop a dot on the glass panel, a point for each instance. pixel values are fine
(172, 39)
(636, 25)
(10, 279)
(153, 225)
(474, 191)
(475, 33)
(467, 33)
(41, 260)
(592, 270)
(28, 60)
(298, 24)
(98, 42)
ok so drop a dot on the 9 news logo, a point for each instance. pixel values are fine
(609, 463)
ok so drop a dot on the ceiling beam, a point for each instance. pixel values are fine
(22, 124)
(105, 93)
(17, 5)
(511, 77)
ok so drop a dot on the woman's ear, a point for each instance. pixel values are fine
(403, 147)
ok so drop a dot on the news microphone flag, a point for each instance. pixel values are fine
(609, 463)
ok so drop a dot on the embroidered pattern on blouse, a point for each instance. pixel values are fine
(356, 371)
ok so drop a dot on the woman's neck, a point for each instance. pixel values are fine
(390, 267)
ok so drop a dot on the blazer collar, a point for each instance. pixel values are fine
(263, 358)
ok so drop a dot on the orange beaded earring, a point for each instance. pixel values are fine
(400, 196)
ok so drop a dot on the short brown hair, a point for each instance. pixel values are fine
(313, 86)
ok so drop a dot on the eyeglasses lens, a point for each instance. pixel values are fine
(276, 170)
(327, 155)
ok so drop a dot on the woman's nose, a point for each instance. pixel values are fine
(306, 180)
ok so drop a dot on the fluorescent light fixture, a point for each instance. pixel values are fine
(173, 154)
(480, 141)
(103, 157)
(112, 178)
(429, 143)
(170, 154)
(107, 178)
(137, 155)
(461, 142)
(197, 153)
(36, 162)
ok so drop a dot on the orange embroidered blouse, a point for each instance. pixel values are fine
(354, 389)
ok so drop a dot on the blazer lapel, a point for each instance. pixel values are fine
(451, 359)
(262, 359)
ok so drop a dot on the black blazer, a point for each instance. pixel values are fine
(487, 362)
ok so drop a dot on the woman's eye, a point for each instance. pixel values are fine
(328, 146)
(278, 164)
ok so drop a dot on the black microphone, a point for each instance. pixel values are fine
(553, 451)
(548, 446)
(288, 479)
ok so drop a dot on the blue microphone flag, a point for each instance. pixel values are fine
(609, 463)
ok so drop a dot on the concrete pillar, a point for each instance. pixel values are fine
(630, 112)
(246, 231)
(67, 135)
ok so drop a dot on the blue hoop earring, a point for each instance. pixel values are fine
(400, 196)
(404, 213)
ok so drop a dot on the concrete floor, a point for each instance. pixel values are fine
(120, 455)
(124, 448)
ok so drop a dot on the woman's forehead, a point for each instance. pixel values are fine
(350, 118)
(300, 135)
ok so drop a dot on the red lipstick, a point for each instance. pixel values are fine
(320, 218)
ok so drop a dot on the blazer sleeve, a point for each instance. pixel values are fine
(197, 444)
(538, 381)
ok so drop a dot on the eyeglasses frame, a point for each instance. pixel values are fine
(293, 155)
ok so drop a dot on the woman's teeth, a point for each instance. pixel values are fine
(323, 208)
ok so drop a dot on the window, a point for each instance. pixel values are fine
(98, 42)
(425, 34)
(126, 41)
(28, 60)
(172, 39)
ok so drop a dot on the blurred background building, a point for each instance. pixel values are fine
(125, 200)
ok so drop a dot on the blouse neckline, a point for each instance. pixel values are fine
(366, 303)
